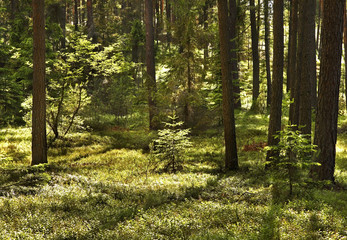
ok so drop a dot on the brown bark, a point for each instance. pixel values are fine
(255, 53)
(90, 21)
(277, 85)
(234, 49)
(308, 75)
(231, 159)
(292, 48)
(150, 63)
(267, 52)
(299, 52)
(168, 18)
(39, 141)
(345, 47)
(328, 94)
(75, 16)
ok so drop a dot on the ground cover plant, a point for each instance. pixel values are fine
(100, 185)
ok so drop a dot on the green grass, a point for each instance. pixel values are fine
(101, 186)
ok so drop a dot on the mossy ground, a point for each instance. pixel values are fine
(100, 186)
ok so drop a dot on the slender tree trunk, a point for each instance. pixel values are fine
(205, 25)
(267, 52)
(277, 85)
(83, 12)
(62, 20)
(90, 21)
(231, 159)
(234, 50)
(168, 18)
(14, 9)
(151, 83)
(255, 53)
(75, 16)
(292, 48)
(345, 47)
(308, 74)
(328, 94)
(39, 141)
(299, 52)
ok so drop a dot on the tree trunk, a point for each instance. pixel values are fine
(308, 75)
(168, 18)
(234, 49)
(14, 9)
(255, 53)
(83, 12)
(75, 16)
(150, 63)
(267, 52)
(39, 141)
(90, 21)
(292, 48)
(231, 159)
(277, 85)
(328, 94)
(345, 46)
(299, 52)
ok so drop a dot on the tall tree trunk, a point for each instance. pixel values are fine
(299, 53)
(90, 21)
(308, 75)
(206, 43)
(328, 94)
(234, 50)
(277, 85)
(75, 16)
(14, 9)
(62, 20)
(168, 18)
(345, 47)
(231, 159)
(267, 52)
(255, 53)
(39, 141)
(83, 12)
(150, 63)
(292, 48)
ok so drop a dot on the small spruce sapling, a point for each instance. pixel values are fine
(171, 144)
(294, 155)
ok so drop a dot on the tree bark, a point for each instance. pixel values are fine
(234, 50)
(39, 141)
(277, 85)
(267, 52)
(345, 47)
(231, 159)
(297, 79)
(90, 21)
(150, 63)
(255, 53)
(308, 60)
(75, 16)
(328, 94)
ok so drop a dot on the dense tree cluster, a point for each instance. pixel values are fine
(84, 64)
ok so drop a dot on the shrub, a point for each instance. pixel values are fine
(294, 154)
(171, 144)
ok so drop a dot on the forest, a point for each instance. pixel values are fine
(173, 119)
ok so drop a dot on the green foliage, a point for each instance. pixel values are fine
(294, 152)
(171, 144)
(108, 193)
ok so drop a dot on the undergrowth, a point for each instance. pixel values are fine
(99, 186)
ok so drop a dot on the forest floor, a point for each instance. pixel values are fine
(100, 186)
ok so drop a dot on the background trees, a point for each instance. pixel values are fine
(132, 63)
